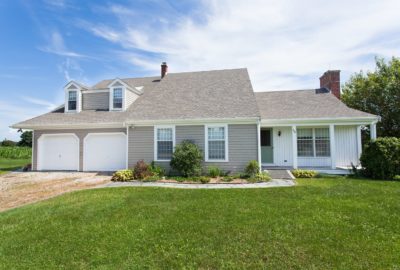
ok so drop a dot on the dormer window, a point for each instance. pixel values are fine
(72, 100)
(117, 98)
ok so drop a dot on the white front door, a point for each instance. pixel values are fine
(104, 152)
(58, 152)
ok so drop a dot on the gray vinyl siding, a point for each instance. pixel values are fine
(95, 101)
(242, 141)
(81, 133)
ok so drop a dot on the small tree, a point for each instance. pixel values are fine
(6, 142)
(26, 139)
(187, 159)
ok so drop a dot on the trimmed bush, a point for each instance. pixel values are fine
(381, 158)
(122, 176)
(142, 170)
(187, 159)
(252, 168)
(304, 173)
(214, 171)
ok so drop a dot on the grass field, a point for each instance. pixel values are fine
(7, 165)
(15, 152)
(319, 224)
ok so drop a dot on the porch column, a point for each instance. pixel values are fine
(373, 131)
(332, 145)
(259, 144)
(294, 146)
(359, 145)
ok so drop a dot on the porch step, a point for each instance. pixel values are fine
(279, 174)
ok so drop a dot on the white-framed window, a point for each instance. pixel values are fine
(117, 98)
(313, 142)
(72, 100)
(164, 142)
(216, 143)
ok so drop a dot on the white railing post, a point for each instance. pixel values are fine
(332, 145)
(294, 146)
(373, 131)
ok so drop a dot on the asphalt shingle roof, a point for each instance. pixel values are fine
(299, 104)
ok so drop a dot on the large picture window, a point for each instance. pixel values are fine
(72, 100)
(165, 137)
(216, 143)
(313, 142)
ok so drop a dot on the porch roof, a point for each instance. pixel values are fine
(304, 104)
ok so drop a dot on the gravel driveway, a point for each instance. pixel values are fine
(19, 188)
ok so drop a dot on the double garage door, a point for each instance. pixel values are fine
(101, 152)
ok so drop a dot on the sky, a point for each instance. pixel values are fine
(285, 44)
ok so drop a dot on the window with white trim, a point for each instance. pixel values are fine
(117, 98)
(164, 143)
(313, 142)
(216, 143)
(72, 100)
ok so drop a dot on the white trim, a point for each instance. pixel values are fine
(373, 131)
(95, 91)
(39, 158)
(259, 144)
(124, 84)
(71, 126)
(190, 122)
(127, 147)
(320, 121)
(332, 145)
(111, 98)
(78, 91)
(33, 150)
(294, 146)
(96, 134)
(156, 145)
(225, 126)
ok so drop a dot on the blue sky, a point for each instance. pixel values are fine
(284, 44)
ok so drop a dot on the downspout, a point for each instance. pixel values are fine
(259, 144)
(127, 146)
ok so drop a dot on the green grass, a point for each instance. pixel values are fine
(7, 165)
(15, 152)
(319, 224)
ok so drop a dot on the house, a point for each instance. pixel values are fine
(115, 123)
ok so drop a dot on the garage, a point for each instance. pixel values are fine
(104, 152)
(58, 152)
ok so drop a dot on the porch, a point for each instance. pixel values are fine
(326, 148)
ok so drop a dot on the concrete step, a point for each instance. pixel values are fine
(279, 174)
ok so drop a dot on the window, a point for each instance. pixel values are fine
(117, 98)
(72, 101)
(313, 142)
(164, 137)
(216, 143)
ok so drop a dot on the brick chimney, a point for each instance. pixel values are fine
(164, 69)
(331, 80)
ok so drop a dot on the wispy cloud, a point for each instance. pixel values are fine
(57, 46)
(45, 103)
(285, 44)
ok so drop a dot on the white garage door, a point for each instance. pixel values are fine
(58, 152)
(104, 152)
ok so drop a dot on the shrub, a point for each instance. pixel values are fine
(156, 169)
(142, 170)
(15, 152)
(396, 177)
(152, 178)
(204, 179)
(252, 168)
(214, 171)
(260, 177)
(122, 176)
(381, 158)
(304, 173)
(187, 159)
(6, 142)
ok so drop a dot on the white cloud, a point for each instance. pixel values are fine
(35, 101)
(57, 46)
(285, 44)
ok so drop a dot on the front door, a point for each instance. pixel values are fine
(267, 152)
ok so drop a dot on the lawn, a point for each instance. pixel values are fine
(7, 165)
(319, 224)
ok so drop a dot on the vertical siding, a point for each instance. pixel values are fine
(346, 146)
(81, 133)
(242, 144)
(95, 101)
(314, 161)
(282, 146)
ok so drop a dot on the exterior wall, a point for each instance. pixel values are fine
(130, 98)
(81, 133)
(346, 146)
(282, 146)
(314, 161)
(95, 101)
(242, 142)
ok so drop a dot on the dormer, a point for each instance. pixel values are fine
(122, 95)
(73, 97)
